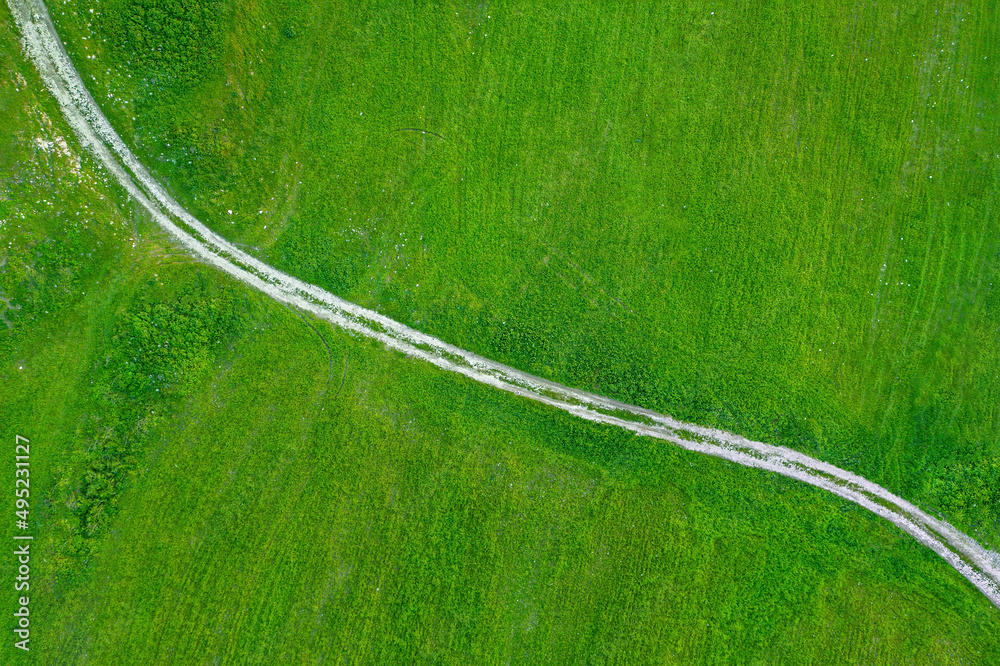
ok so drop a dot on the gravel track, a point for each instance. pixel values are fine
(43, 47)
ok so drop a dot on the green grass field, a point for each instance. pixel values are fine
(778, 220)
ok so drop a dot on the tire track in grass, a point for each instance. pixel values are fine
(41, 43)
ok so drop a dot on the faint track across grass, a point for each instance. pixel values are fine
(42, 45)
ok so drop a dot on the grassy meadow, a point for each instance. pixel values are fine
(774, 218)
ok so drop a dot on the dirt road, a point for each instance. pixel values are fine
(980, 566)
